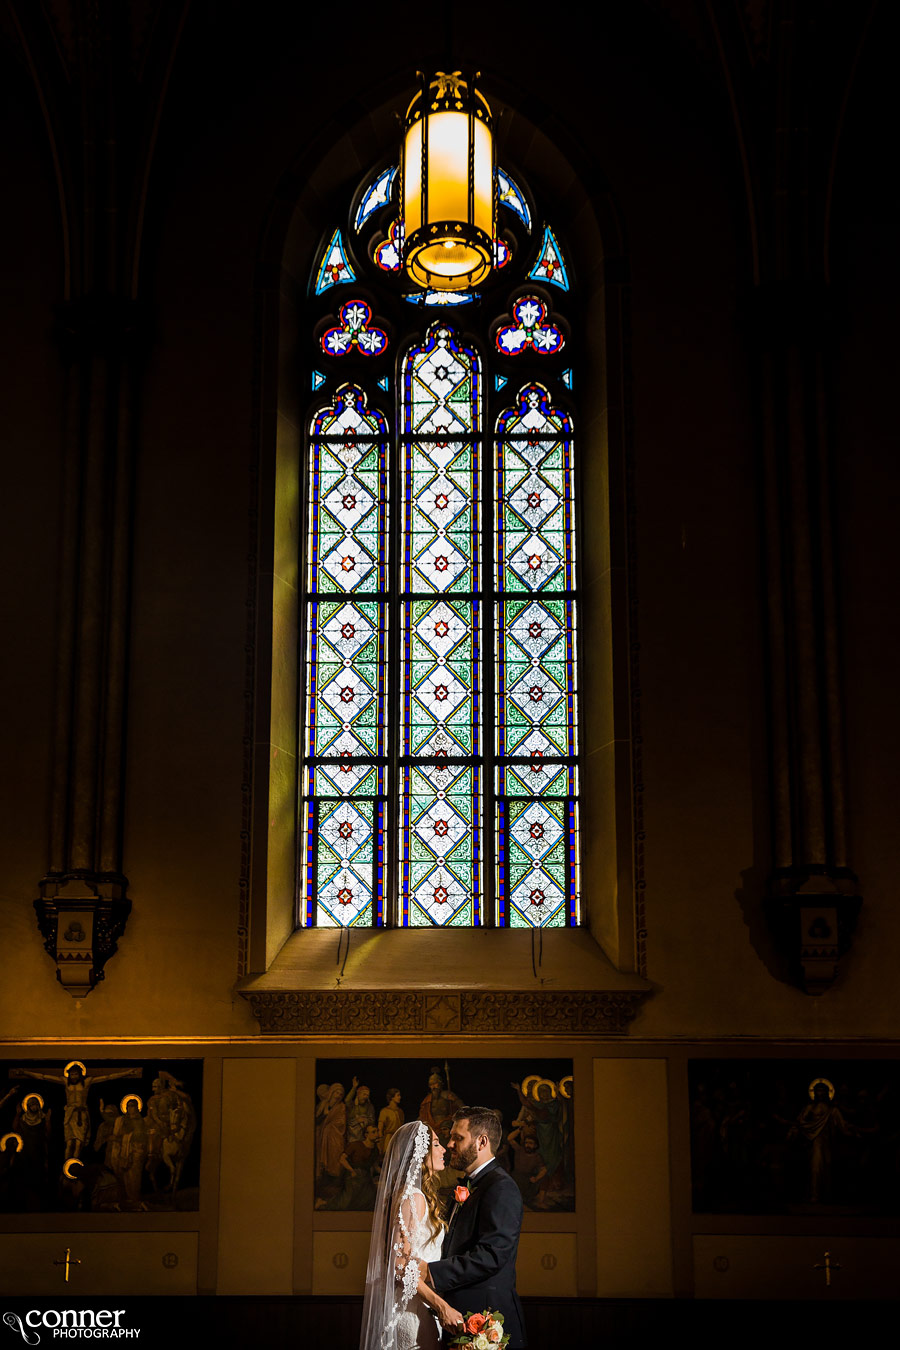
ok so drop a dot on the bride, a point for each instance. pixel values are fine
(401, 1311)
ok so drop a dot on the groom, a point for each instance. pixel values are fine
(477, 1269)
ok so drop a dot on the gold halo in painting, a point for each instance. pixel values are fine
(12, 1135)
(132, 1097)
(544, 1082)
(565, 1086)
(71, 1162)
(528, 1082)
(75, 1064)
(815, 1082)
(33, 1096)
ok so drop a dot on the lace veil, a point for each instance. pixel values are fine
(394, 1232)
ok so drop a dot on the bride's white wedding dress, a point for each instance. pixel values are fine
(394, 1316)
(418, 1328)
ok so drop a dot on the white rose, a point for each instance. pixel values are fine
(481, 1342)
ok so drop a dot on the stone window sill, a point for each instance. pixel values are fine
(443, 981)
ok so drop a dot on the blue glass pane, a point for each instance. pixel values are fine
(509, 194)
(440, 846)
(550, 266)
(334, 268)
(535, 547)
(376, 195)
(345, 714)
(441, 298)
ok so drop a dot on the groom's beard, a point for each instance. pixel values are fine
(463, 1157)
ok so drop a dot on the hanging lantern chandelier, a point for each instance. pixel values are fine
(448, 184)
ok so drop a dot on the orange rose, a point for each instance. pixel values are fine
(474, 1323)
(461, 1193)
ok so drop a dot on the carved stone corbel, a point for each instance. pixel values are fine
(81, 920)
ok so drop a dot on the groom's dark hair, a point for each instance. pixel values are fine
(482, 1120)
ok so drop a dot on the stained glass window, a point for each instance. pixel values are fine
(346, 706)
(377, 194)
(535, 622)
(440, 703)
(334, 269)
(550, 266)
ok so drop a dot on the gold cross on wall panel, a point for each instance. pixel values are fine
(69, 1261)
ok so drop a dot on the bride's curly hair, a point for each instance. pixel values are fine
(431, 1189)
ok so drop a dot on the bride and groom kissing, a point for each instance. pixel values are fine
(428, 1269)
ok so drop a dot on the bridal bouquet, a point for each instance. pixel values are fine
(484, 1331)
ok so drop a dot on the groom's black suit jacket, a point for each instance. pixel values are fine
(477, 1269)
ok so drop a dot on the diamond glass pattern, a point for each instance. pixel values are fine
(441, 416)
(440, 845)
(535, 535)
(441, 678)
(541, 865)
(348, 497)
(441, 711)
(345, 846)
(345, 710)
(536, 724)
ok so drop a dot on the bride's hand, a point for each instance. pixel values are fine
(451, 1320)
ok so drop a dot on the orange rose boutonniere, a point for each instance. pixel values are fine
(461, 1194)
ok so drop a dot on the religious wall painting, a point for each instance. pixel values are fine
(804, 1137)
(87, 1136)
(361, 1103)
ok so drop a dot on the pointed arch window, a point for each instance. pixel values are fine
(440, 636)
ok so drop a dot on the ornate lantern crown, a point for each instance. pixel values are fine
(448, 184)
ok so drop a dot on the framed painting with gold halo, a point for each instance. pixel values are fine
(86, 1136)
(813, 1138)
(360, 1103)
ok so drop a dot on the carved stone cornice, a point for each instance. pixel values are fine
(367, 1012)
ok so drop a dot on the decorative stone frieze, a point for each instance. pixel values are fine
(468, 1013)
